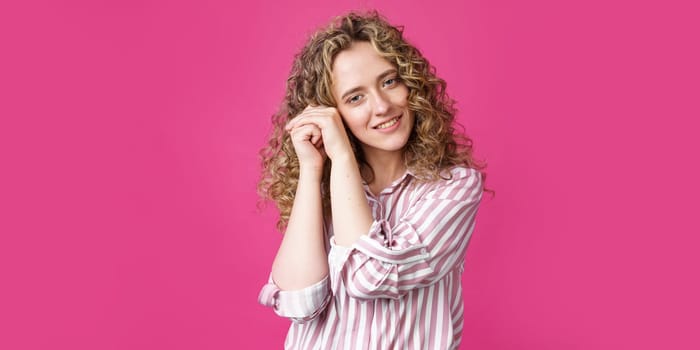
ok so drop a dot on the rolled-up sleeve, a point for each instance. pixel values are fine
(298, 305)
(422, 246)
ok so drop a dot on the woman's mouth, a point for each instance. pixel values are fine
(388, 123)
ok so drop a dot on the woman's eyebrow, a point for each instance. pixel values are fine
(379, 78)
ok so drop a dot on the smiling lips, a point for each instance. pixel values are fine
(389, 123)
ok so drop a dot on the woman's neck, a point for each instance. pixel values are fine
(387, 167)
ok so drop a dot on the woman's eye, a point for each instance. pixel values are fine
(391, 81)
(354, 99)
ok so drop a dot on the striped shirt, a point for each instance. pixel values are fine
(398, 286)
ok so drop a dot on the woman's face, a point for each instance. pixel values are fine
(371, 99)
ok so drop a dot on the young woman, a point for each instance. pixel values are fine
(377, 195)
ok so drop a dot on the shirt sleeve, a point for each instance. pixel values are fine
(420, 249)
(298, 305)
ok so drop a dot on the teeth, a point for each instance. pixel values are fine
(388, 124)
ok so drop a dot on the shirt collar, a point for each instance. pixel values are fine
(396, 184)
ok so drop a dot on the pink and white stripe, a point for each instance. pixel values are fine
(399, 286)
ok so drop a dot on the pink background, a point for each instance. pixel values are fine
(129, 134)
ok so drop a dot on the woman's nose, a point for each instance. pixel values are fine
(381, 103)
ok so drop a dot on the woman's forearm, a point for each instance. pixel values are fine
(302, 260)
(351, 214)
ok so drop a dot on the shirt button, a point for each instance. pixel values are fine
(424, 251)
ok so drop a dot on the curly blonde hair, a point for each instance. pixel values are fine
(433, 145)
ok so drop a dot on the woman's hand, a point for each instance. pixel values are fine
(308, 146)
(333, 137)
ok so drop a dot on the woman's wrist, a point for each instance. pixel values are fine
(347, 158)
(310, 173)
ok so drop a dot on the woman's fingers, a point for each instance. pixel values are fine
(312, 114)
(320, 121)
(328, 125)
(315, 137)
(306, 132)
(308, 145)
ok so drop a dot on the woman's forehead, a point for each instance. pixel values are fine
(358, 64)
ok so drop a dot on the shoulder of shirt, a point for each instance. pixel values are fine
(454, 176)
(459, 172)
(451, 173)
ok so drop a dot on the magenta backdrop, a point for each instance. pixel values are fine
(129, 135)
